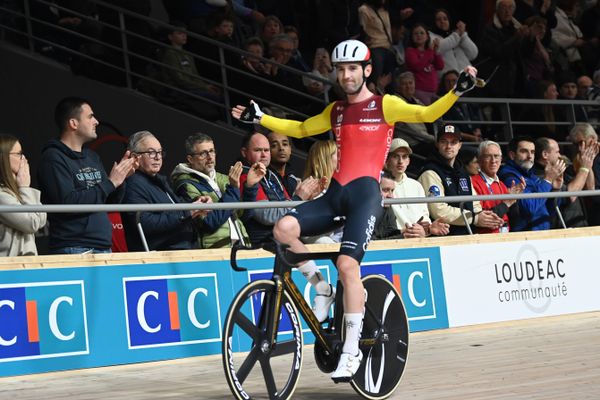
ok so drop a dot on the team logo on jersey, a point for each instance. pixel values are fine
(434, 191)
(464, 185)
(340, 118)
(371, 106)
(367, 120)
(448, 181)
(368, 128)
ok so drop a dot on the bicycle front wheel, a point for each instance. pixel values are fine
(384, 340)
(252, 375)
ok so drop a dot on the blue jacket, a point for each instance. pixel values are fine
(164, 230)
(70, 177)
(533, 213)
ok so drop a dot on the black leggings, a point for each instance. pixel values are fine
(358, 201)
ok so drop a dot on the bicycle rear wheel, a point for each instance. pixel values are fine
(250, 375)
(384, 340)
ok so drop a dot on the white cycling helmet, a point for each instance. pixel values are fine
(351, 51)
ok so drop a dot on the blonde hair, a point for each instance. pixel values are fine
(7, 178)
(319, 164)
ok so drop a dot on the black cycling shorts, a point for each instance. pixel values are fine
(358, 201)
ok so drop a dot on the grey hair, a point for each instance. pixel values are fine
(195, 138)
(514, 5)
(136, 138)
(281, 37)
(405, 75)
(584, 129)
(485, 144)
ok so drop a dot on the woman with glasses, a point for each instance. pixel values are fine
(17, 229)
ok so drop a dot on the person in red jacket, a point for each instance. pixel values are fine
(487, 182)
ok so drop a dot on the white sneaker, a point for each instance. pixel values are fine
(322, 303)
(347, 367)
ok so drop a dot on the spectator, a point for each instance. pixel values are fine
(456, 47)
(280, 50)
(593, 93)
(17, 230)
(320, 164)
(572, 209)
(584, 137)
(162, 230)
(487, 182)
(591, 33)
(220, 28)
(423, 59)
(180, 71)
(537, 64)
(500, 46)
(375, 22)
(387, 226)
(584, 83)
(72, 174)
(297, 60)
(418, 134)
(323, 69)
(526, 9)
(254, 68)
(468, 159)
(412, 219)
(568, 38)
(281, 152)
(443, 176)
(471, 132)
(533, 214)
(198, 178)
(567, 90)
(547, 114)
(270, 28)
(256, 156)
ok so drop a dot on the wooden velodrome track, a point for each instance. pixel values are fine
(544, 358)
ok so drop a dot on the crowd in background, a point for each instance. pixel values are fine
(528, 48)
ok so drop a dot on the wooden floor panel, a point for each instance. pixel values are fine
(544, 358)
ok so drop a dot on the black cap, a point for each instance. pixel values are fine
(449, 129)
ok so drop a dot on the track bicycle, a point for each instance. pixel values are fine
(264, 317)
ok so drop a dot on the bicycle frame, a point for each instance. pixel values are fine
(283, 281)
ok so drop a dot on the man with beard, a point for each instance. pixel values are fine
(533, 213)
(363, 125)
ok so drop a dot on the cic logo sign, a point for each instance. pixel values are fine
(414, 280)
(42, 320)
(172, 310)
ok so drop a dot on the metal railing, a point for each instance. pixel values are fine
(139, 208)
(130, 74)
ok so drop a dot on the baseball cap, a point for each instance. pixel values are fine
(449, 130)
(398, 144)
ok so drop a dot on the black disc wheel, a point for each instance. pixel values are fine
(384, 340)
(248, 351)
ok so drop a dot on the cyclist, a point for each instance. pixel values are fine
(363, 125)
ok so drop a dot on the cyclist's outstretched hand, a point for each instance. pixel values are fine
(466, 80)
(247, 115)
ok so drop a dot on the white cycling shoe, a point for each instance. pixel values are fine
(347, 367)
(322, 303)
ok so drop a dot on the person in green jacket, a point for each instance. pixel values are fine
(198, 177)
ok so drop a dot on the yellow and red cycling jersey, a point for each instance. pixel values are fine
(363, 131)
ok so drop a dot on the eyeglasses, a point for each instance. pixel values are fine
(18, 153)
(491, 156)
(153, 153)
(203, 154)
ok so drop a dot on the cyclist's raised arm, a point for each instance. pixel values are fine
(396, 109)
(312, 126)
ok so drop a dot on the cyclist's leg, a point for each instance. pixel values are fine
(310, 218)
(362, 214)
